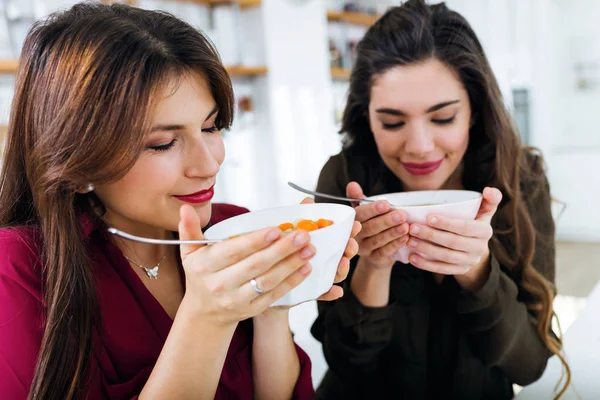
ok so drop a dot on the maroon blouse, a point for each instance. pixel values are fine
(134, 324)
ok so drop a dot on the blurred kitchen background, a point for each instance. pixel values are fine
(290, 62)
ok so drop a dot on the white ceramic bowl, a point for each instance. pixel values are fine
(418, 205)
(330, 242)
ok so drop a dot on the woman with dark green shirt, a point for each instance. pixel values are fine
(424, 112)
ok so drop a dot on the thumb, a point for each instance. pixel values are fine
(354, 191)
(189, 229)
(491, 199)
(307, 200)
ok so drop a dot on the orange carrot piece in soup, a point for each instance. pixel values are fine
(322, 223)
(307, 225)
(285, 226)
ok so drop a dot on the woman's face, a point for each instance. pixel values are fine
(420, 116)
(179, 163)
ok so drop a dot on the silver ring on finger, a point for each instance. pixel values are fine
(255, 287)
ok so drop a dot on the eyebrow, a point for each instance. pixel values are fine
(178, 127)
(431, 109)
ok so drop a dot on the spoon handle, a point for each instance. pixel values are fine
(129, 236)
(328, 196)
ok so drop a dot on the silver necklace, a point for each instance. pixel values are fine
(152, 272)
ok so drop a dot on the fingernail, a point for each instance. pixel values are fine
(273, 235)
(415, 229)
(412, 243)
(381, 207)
(413, 260)
(400, 229)
(301, 239)
(306, 253)
(305, 270)
(433, 221)
(397, 217)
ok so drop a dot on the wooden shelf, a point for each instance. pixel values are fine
(353, 18)
(10, 67)
(239, 70)
(340, 73)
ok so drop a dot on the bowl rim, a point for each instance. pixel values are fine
(351, 215)
(478, 197)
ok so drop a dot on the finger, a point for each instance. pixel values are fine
(258, 263)
(470, 228)
(232, 251)
(333, 294)
(356, 228)
(354, 191)
(307, 200)
(189, 229)
(351, 248)
(342, 271)
(365, 212)
(381, 223)
(443, 254)
(266, 299)
(437, 267)
(447, 239)
(390, 249)
(274, 276)
(489, 205)
(382, 239)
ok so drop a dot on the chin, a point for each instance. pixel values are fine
(424, 183)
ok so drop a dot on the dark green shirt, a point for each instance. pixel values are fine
(432, 341)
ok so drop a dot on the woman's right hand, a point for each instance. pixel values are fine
(218, 276)
(384, 230)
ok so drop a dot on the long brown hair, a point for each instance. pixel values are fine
(85, 89)
(415, 32)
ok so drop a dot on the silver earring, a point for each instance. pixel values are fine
(89, 188)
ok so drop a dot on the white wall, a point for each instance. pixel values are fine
(575, 156)
(302, 127)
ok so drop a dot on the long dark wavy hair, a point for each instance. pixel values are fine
(85, 91)
(416, 32)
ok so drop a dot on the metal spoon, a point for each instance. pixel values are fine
(328, 196)
(129, 236)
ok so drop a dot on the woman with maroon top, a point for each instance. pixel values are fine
(115, 122)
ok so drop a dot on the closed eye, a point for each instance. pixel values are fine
(163, 147)
(393, 126)
(443, 121)
(212, 129)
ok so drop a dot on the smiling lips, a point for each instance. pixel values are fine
(425, 168)
(202, 196)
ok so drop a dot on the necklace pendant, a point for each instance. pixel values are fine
(152, 272)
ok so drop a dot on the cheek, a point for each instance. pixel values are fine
(217, 148)
(388, 143)
(154, 173)
(150, 177)
(454, 140)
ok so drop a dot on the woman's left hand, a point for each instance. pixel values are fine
(457, 247)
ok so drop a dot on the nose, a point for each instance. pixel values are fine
(203, 159)
(419, 140)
